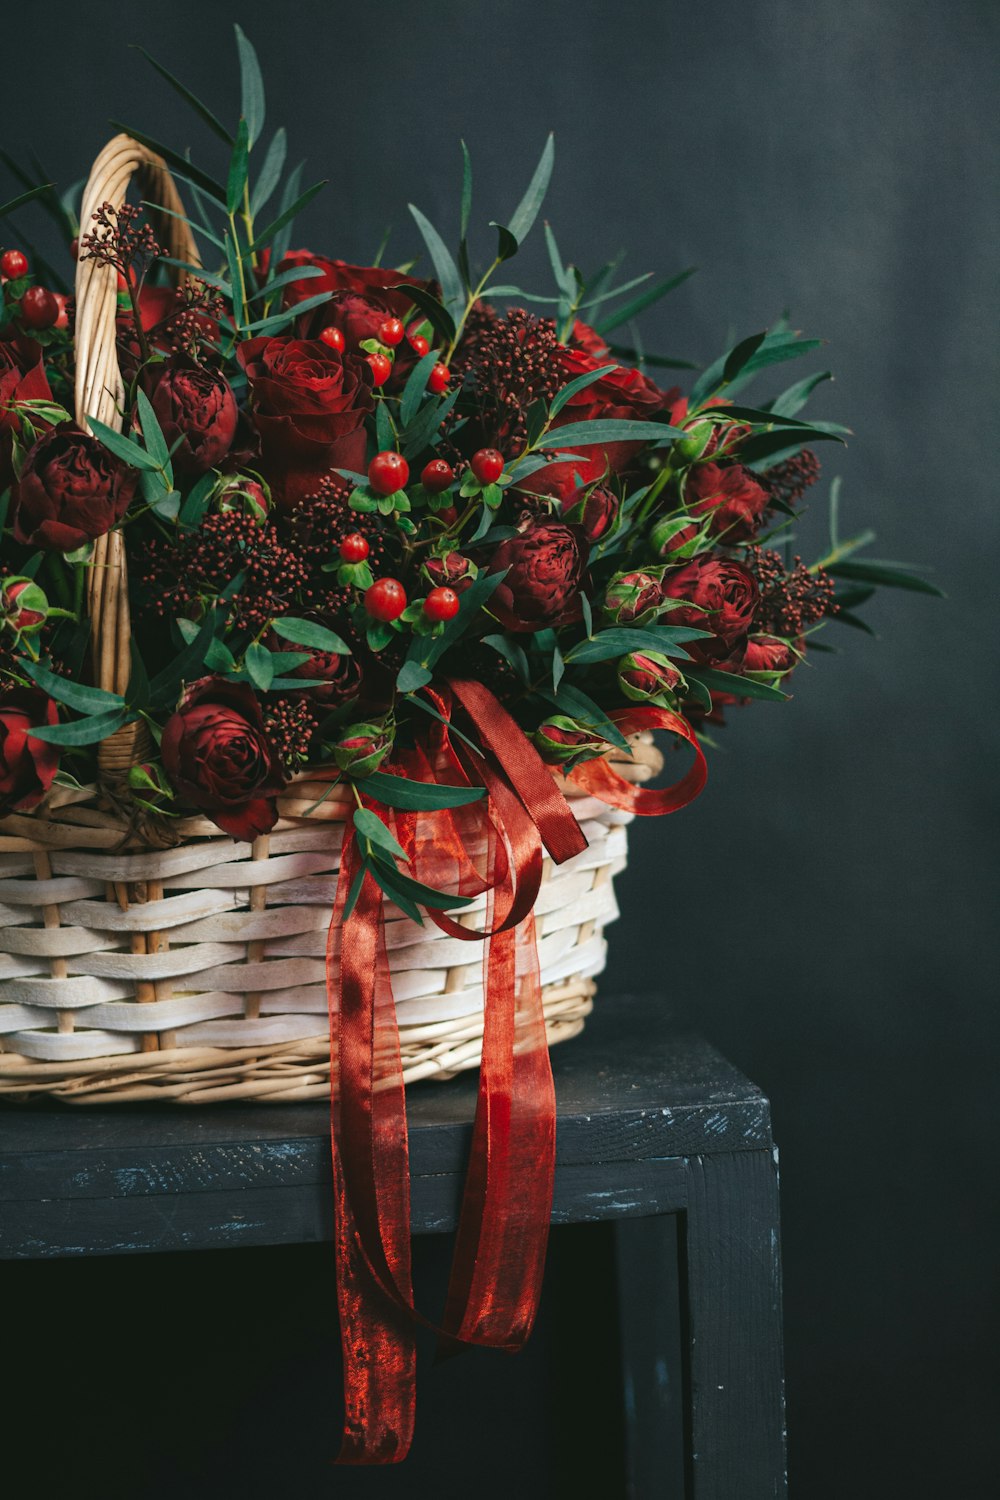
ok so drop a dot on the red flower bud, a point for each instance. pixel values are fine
(362, 748)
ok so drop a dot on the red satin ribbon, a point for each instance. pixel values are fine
(500, 1245)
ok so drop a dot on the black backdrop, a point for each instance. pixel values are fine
(821, 913)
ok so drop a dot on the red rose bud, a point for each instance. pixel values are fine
(562, 742)
(218, 757)
(195, 405)
(149, 779)
(670, 534)
(546, 566)
(245, 496)
(634, 596)
(730, 496)
(362, 748)
(596, 511)
(27, 765)
(452, 571)
(71, 490)
(646, 676)
(23, 606)
(769, 653)
(723, 597)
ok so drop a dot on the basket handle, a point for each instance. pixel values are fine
(99, 393)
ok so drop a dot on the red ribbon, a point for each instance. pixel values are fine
(500, 1245)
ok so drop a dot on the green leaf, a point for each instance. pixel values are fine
(259, 666)
(399, 885)
(137, 692)
(888, 575)
(433, 311)
(621, 639)
(421, 431)
(201, 229)
(180, 164)
(466, 191)
(558, 667)
(196, 504)
(472, 600)
(776, 445)
(577, 704)
(239, 164)
(416, 385)
(418, 796)
(286, 215)
(511, 652)
(308, 633)
(775, 348)
(281, 320)
(251, 86)
(122, 447)
(580, 383)
(411, 677)
(221, 283)
(444, 267)
(202, 110)
(506, 243)
(796, 396)
(23, 198)
(297, 273)
(632, 309)
(526, 211)
(164, 686)
(737, 359)
(370, 826)
(730, 682)
(588, 434)
(152, 433)
(84, 700)
(270, 172)
(84, 731)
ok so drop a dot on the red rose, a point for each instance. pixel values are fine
(196, 405)
(17, 385)
(622, 394)
(309, 407)
(71, 490)
(27, 766)
(590, 341)
(727, 596)
(645, 675)
(596, 511)
(545, 566)
(363, 296)
(768, 653)
(217, 756)
(452, 571)
(730, 495)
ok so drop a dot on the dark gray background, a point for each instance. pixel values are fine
(823, 912)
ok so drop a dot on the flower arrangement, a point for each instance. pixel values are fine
(408, 538)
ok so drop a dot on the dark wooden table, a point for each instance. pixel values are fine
(657, 1132)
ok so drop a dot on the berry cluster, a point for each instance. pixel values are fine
(788, 481)
(790, 600)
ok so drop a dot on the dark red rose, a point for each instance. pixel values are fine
(341, 674)
(590, 341)
(17, 384)
(197, 405)
(309, 407)
(452, 571)
(546, 565)
(71, 490)
(727, 596)
(375, 285)
(27, 766)
(768, 653)
(621, 395)
(218, 757)
(730, 495)
(596, 511)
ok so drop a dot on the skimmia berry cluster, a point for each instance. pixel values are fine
(342, 486)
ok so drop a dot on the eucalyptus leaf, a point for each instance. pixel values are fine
(370, 826)
(239, 165)
(285, 217)
(418, 796)
(200, 109)
(416, 385)
(637, 305)
(180, 164)
(309, 633)
(83, 731)
(251, 86)
(730, 682)
(444, 267)
(526, 211)
(83, 699)
(271, 169)
(122, 447)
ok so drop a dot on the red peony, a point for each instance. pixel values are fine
(218, 757)
(545, 573)
(726, 597)
(27, 765)
(730, 495)
(309, 407)
(71, 490)
(196, 405)
(17, 385)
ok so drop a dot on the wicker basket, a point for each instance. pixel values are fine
(196, 972)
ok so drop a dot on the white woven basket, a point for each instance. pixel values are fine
(196, 973)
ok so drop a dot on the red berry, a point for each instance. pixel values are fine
(74, 249)
(381, 367)
(437, 380)
(13, 263)
(436, 476)
(487, 465)
(334, 338)
(354, 548)
(449, 515)
(441, 604)
(388, 472)
(386, 599)
(418, 343)
(39, 309)
(391, 332)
